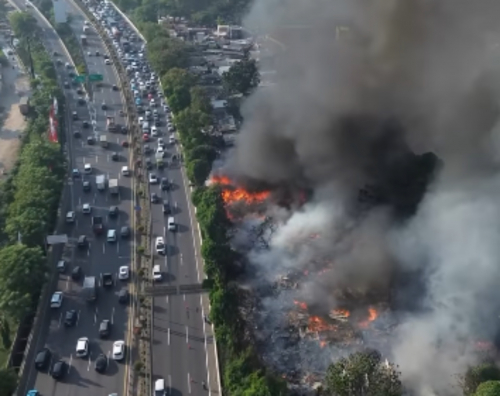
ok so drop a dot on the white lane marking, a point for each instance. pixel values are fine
(205, 343)
(118, 247)
(167, 299)
(89, 363)
(95, 197)
(70, 361)
(96, 313)
(112, 315)
(79, 201)
(184, 297)
(84, 160)
(88, 251)
(168, 336)
(169, 384)
(187, 335)
(67, 283)
(77, 318)
(189, 383)
(164, 230)
(60, 320)
(181, 259)
(96, 158)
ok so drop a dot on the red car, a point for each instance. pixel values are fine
(145, 137)
(125, 144)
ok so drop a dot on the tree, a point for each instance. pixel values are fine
(198, 171)
(166, 53)
(23, 24)
(363, 373)
(477, 375)
(488, 388)
(200, 101)
(8, 381)
(22, 274)
(176, 79)
(242, 77)
(203, 152)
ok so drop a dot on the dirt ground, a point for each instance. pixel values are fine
(15, 85)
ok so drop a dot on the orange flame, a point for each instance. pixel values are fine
(318, 324)
(372, 315)
(341, 312)
(300, 304)
(232, 194)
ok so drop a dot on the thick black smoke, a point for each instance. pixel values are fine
(372, 110)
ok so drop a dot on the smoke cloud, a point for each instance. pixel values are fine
(409, 78)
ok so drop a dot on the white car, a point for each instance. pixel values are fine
(87, 168)
(86, 208)
(161, 143)
(107, 62)
(123, 273)
(152, 103)
(157, 276)
(152, 178)
(118, 350)
(70, 217)
(154, 131)
(141, 119)
(160, 150)
(56, 300)
(160, 245)
(125, 171)
(82, 347)
(171, 139)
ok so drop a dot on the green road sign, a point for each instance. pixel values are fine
(80, 78)
(95, 77)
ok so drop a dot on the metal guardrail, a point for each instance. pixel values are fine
(163, 290)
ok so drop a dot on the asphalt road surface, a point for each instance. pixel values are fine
(100, 257)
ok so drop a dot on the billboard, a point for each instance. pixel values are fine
(60, 12)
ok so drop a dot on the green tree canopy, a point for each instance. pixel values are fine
(488, 388)
(23, 24)
(198, 171)
(22, 273)
(362, 373)
(166, 53)
(8, 381)
(242, 77)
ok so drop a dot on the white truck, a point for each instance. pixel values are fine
(101, 182)
(103, 139)
(113, 186)
(89, 288)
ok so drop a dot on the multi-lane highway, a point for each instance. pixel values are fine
(99, 257)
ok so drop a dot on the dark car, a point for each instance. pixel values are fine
(157, 123)
(86, 186)
(74, 115)
(113, 211)
(97, 53)
(72, 74)
(149, 164)
(106, 56)
(105, 329)
(76, 273)
(123, 296)
(58, 369)
(77, 134)
(166, 207)
(79, 91)
(42, 359)
(85, 124)
(165, 184)
(147, 149)
(125, 232)
(81, 101)
(101, 363)
(114, 156)
(90, 140)
(154, 198)
(66, 84)
(124, 129)
(70, 318)
(82, 241)
(115, 87)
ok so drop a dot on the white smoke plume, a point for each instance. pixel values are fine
(429, 67)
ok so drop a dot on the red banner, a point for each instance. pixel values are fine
(53, 125)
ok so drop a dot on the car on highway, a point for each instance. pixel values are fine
(113, 211)
(160, 245)
(58, 369)
(171, 225)
(105, 328)
(153, 179)
(125, 232)
(171, 139)
(74, 115)
(76, 273)
(70, 217)
(82, 347)
(85, 124)
(118, 350)
(70, 318)
(66, 85)
(165, 184)
(87, 169)
(76, 173)
(160, 387)
(86, 208)
(107, 279)
(114, 87)
(123, 272)
(160, 150)
(61, 266)
(125, 171)
(56, 300)
(82, 241)
(154, 197)
(111, 236)
(115, 156)
(77, 134)
(107, 62)
(157, 275)
(161, 143)
(86, 185)
(166, 207)
(101, 363)
(33, 392)
(90, 140)
(42, 359)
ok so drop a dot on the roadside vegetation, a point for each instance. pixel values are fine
(29, 198)
(73, 46)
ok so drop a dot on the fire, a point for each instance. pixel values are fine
(341, 312)
(231, 194)
(318, 324)
(300, 304)
(372, 315)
